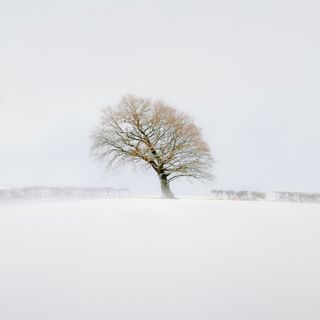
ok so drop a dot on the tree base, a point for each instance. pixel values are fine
(165, 190)
(166, 196)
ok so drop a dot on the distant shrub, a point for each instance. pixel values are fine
(256, 195)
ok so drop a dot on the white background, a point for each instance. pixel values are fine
(247, 71)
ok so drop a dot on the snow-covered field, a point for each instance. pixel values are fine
(159, 260)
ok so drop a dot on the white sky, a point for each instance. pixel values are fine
(247, 71)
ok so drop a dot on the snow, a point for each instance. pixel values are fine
(152, 259)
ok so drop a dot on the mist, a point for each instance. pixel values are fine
(81, 242)
(247, 72)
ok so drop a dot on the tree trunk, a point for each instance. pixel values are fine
(165, 188)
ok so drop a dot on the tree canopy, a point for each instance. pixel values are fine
(153, 134)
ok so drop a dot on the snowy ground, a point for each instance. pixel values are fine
(159, 260)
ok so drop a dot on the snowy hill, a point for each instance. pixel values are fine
(159, 260)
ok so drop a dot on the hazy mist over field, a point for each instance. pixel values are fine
(246, 71)
(80, 243)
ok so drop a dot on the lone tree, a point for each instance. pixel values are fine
(153, 134)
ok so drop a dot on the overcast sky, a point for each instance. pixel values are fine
(247, 71)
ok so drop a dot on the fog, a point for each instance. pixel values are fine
(247, 72)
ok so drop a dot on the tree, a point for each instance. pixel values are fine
(153, 134)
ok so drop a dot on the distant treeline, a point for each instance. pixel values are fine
(59, 192)
(237, 195)
(297, 196)
(257, 195)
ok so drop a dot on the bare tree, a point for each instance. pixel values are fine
(151, 133)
